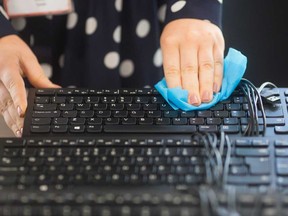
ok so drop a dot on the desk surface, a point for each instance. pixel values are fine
(4, 130)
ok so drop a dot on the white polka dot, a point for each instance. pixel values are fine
(111, 60)
(220, 1)
(32, 40)
(119, 5)
(147, 86)
(162, 13)
(143, 28)
(117, 34)
(61, 60)
(72, 20)
(157, 59)
(47, 68)
(177, 6)
(4, 13)
(19, 23)
(126, 68)
(91, 25)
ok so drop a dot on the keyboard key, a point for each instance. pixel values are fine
(59, 128)
(46, 114)
(41, 121)
(260, 152)
(40, 128)
(149, 129)
(230, 128)
(282, 166)
(208, 128)
(258, 166)
(77, 128)
(250, 180)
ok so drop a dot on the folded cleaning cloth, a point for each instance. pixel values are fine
(234, 67)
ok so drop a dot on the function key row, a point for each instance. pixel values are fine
(72, 91)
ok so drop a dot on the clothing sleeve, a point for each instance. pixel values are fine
(5, 25)
(198, 9)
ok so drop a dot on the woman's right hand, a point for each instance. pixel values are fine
(17, 61)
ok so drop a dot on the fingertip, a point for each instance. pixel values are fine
(18, 133)
(19, 111)
(21, 107)
(194, 99)
(206, 96)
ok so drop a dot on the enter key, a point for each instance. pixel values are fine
(258, 165)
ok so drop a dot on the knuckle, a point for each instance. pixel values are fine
(192, 35)
(218, 64)
(167, 40)
(12, 84)
(171, 70)
(5, 105)
(206, 66)
(189, 70)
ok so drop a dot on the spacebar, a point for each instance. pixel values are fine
(149, 128)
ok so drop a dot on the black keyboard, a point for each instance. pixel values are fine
(128, 201)
(68, 162)
(144, 175)
(59, 112)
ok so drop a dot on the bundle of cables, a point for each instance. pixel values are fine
(255, 97)
(217, 146)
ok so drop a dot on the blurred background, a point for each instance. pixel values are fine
(259, 29)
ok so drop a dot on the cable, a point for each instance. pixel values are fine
(216, 168)
(217, 172)
(227, 160)
(254, 98)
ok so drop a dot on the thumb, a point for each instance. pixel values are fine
(35, 74)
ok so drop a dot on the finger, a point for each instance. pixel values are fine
(7, 108)
(189, 72)
(35, 73)
(18, 121)
(11, 124)
(206, 72)
(13, 82)
(218, 68)
(171, 62)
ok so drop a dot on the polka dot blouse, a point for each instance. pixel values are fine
(106, 43)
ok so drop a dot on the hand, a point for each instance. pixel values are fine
(17, 61)
(193, 58)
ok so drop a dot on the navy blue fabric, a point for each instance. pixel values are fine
(84, 54)
(5, 26)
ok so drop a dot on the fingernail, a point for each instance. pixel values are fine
(19, 111)
(215, 87)
(194, 99)
(206, 96)
(18, 133)
(21, 130)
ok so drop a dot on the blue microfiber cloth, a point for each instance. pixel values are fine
(234, 67)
